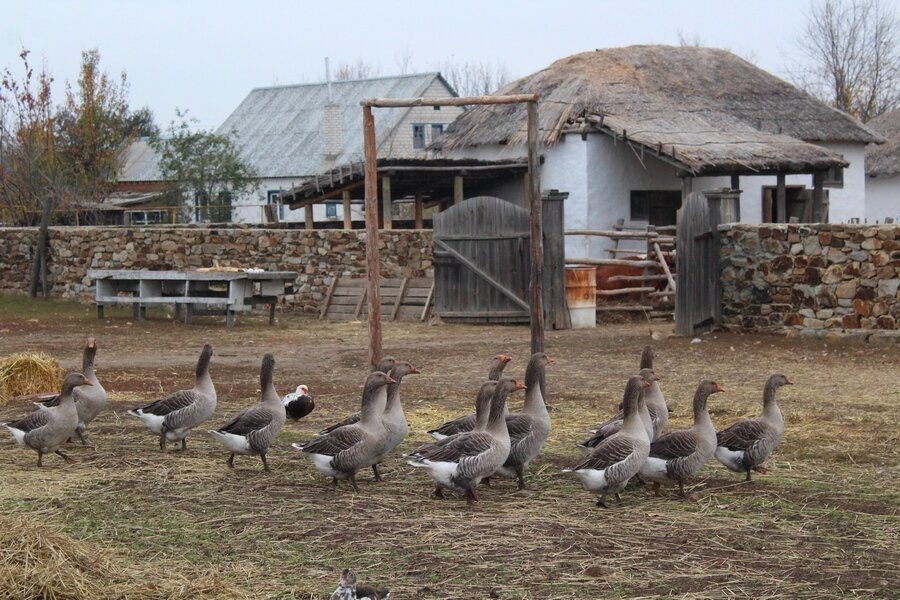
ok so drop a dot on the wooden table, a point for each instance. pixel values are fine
(199, 292)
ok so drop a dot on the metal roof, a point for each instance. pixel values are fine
(140, 163)
(278, 130)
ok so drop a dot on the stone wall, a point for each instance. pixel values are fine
(811, 278)
(315, 255)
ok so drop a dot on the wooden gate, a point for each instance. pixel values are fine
(482, 262)
(698, 300)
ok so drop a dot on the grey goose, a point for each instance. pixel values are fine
(467, 422)
(46, 429)
(385, 365)
(616, 459)
(614, 424)
(252, 431)
(90, 400)
(747, 444)
(173, 417)
(680, 453)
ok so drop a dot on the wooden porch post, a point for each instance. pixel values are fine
(818, 196)
(735, 181)
(308, 216)
(781, 199)
(348, 218)
(386, 201)
(420, 211)
(458, 192)
(372, 254)
(537, 233)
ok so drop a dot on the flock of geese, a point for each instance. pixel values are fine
(469, 450)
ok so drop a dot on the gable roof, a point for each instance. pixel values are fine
(279, 129)
(140, 162)
(706, 110)
(884, 160)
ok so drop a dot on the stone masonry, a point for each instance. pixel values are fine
(316, 255)
(816, 279)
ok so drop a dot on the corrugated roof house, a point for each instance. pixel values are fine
(883, 169)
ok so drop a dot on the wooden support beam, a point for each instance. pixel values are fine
(612, 261)
(458, 192)
(818, 215)
(465, 101)
(308, 216)
(328, 296)
(735, 181)
(386, 202)
(780, 200)
(687, 186)
(665, 266)
(537, 232)
(420, 211)
(372, 252)
(623, 291)
(348, 217)
(399, 300)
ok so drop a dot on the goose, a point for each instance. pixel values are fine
(461, 463)
(342, 452)
(680, 453)
(254, 429)
(46, 429)
(394, 420)
(173, 417)
(482, 411)
(467, 422)
(747, 444)
(89, 400)
(385, 365)
(529, 429)
(649, 417)
(616, 459)
(348, 589)
(298, 403)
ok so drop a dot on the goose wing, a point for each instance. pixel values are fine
(742, 435)
(35, 420)
(459, 447)
(608, 453)
(461, 424)
(519, 425)
(335, 442)
(177, 401)
(675, 444)
(251, 420)
(603, 432)
(348, 421)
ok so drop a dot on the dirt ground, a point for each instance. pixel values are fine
(822, 523)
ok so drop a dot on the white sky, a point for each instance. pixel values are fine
(205, 56)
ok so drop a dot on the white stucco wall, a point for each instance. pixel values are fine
(882, 198)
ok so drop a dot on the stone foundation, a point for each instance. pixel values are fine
(316, 255)
(814, 279)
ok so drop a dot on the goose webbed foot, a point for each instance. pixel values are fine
(655, 488)
(601, 502)
(486, 481)
(265, 462)
(183, 444)
(40, 458)
(82, 437)
(748, 479)
(231, 461)
(162, 443)
(66, 457)
(471, 496)
(520, 475)
(352, 479)
(618, 498)
(334, 482)
(378, 476)
(438, 493)
(760, 469)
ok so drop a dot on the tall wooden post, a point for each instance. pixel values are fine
(537, 233)
(372, 254)
(420, 211)
(735, 181)
(308, 216)
(780, 199)
(458, 192)
(348, 217)
(386, 202)
(818, 196)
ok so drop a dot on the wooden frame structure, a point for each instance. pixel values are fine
(532, 192)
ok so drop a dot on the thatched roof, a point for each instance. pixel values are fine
(706, 110)
(884, 160)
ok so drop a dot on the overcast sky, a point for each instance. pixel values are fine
(206, 56)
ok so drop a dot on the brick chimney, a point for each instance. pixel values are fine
(331, 122)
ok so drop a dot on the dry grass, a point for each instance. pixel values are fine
(822, 523)
(26, 373)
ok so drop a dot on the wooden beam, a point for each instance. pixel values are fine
(465, 101)
(328, 296)
(308, 216)
(537, 232)
(818, 196)
(611, 261)
(386, 202)
(420, 212)
(735, 181)
(372, 252)
(780, 199)
(348, 216)
(428, 301)
(458, 192)
(480, 272)
(665, 266)
(399, 300)
(687, 186)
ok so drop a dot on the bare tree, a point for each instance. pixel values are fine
(474, 78)
(359, 69)
(404, 61)
(852, 56)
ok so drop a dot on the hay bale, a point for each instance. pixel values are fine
(28, 373)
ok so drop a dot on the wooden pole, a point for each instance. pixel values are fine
(818, 196)
(465, 101)
(386, 202)
(308, 216)
(780, 199)
(735, 181)
(372, 258)
(537, 233)
(348, 218)
(420, 211)
(458, 191)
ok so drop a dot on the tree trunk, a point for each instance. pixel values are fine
(39, 263)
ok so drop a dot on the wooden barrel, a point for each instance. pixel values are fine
(581, 296)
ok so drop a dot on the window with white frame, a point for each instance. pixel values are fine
(273, 197)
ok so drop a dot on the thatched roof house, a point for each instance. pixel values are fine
(883, 169)
(705, 109)
(626, 130)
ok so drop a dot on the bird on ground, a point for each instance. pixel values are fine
(745, 445)
(90, 400)
(680, 453)
(46, 429)
(298, 403)
(467, 422)
(253, 430)
(173, 417)
(616, 459)
(614, 424)
(348, 589)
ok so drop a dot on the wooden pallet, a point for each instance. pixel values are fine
(406, 299)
